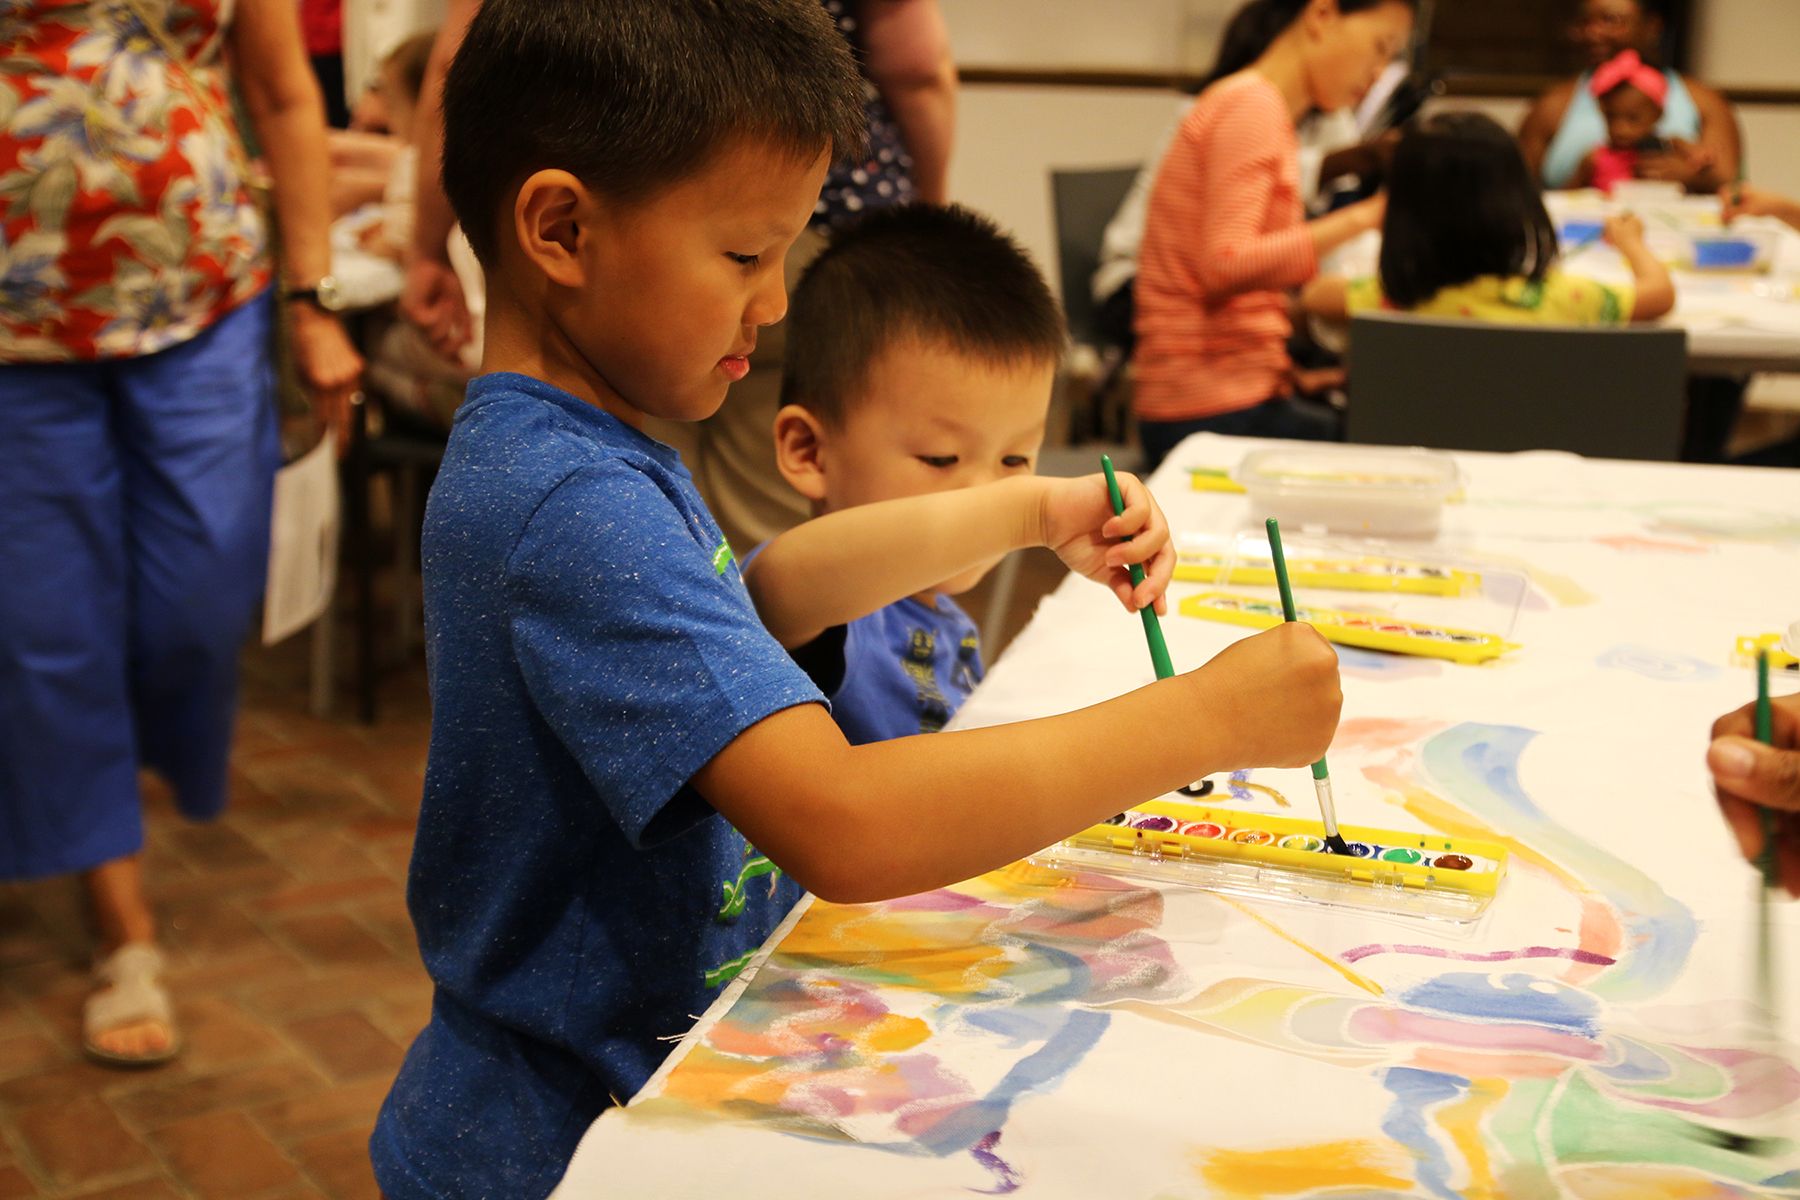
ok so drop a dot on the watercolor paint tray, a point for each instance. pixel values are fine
(1283, 858)
(1368, 573)
(1213, 479)
(1371, 632)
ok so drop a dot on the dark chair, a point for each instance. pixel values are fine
(1472, 385)
(384, 438)
(1085, 202)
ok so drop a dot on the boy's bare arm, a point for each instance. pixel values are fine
(863, 823)
(847, 564)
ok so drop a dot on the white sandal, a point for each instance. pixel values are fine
(129, 993)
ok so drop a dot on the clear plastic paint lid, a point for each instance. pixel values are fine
(1375, 491)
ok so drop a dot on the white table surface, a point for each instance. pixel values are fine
(1641, 577)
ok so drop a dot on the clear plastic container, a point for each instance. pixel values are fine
(1367, 491)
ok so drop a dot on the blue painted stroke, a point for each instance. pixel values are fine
(1660, 665)
(1414, 1092)
(1041, 1069)
(1478, 767)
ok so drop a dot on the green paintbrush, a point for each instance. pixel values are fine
(1159, 649)
(1334, 841)
(1765, 862)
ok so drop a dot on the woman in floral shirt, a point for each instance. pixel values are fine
(137, 399)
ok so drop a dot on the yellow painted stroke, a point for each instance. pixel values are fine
(1462, 1121)
(1360, 980)
(1304, 1168)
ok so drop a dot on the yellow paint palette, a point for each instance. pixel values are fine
(1213, 479)
(1353, 628)
(1771, 643)
(1283, 858)
(1369, 574)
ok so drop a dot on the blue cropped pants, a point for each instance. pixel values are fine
(134, 537)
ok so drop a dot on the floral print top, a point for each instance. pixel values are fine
(884, 176)
(125, 224)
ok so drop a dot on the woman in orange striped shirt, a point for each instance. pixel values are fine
(1226, 237)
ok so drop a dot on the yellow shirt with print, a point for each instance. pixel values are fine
(1559, 300)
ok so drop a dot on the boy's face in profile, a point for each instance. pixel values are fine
(931, 419)
(1631, 116)
(673, 287)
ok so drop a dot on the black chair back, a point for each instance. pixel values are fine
(1475, 385)
(1085, 202)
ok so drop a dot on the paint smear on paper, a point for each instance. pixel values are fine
(1292, 1169)
(1478, 765)
(1573, 953)
(1660, 665)
(1631, 543)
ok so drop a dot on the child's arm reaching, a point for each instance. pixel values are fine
(1327, 297)
(1742, 200)
(847, 564)
(864, 823)
(1655, 290)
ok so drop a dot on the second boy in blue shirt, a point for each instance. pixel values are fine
(922, 349)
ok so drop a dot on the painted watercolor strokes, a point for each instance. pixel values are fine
(1545, 1068)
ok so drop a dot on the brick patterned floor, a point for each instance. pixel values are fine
(294, 969)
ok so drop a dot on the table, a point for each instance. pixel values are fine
(1048, 1034)
(1736, 323)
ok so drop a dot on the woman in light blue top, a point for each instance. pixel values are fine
(1699, 135)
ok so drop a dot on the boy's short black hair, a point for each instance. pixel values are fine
(1461, 204)
(631, 96)
(944, 275)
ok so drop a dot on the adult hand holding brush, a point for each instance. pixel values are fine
(1750, 778)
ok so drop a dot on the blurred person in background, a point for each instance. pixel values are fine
(1696, 140)
(904, 51)
(137, 312)
(1226, 237)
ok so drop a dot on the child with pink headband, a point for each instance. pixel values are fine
(1631, 95)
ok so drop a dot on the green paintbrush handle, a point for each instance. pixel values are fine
(1319, 769)
(1765, 733)
(1159, 649)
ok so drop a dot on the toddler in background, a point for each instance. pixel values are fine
(1631, 95)
(1466, 235)
(402, 75)
(921, 353)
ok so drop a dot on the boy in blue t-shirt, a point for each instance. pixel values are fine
(921, 351)
(621, 755)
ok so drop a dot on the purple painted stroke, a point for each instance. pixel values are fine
(1006, 1179)
(1570, 952)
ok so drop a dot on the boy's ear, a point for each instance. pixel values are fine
(547, 216)
(799, 443)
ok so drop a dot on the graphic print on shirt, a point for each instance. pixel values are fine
(737, 894)
(921, 650)
(722, 557)
(737, 891)
(967, 672)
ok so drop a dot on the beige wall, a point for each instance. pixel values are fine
(1748, 42)
(1009, 139)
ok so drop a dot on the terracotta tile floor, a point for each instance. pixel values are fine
(294, 969)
